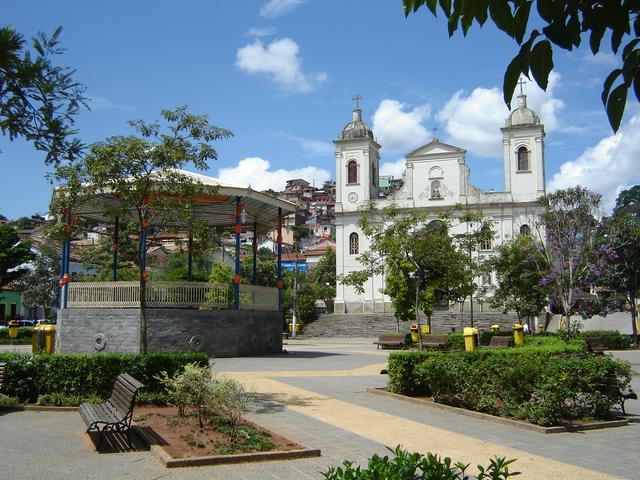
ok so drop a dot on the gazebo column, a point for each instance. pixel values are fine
(255, 253)
(238, 230)
(190, 257)
(115, 244)
(65, 261)
(279, 242)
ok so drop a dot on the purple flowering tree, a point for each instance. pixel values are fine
(574, 259)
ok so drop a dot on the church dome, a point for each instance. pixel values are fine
(522, 115)
(357, 128)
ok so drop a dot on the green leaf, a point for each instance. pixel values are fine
(501, 15)
(452, 24)
(615, 106)
(541, 63)
(545, 9)
(521, 20)
(511, 76)
(597, 31)
(636, 85)
(608, 83)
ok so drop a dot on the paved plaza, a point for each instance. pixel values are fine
(316, 395)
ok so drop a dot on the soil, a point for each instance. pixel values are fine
(181, 437)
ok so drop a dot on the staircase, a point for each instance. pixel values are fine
(371, 325)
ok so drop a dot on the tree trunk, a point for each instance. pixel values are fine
(634, 317)
(143, 314)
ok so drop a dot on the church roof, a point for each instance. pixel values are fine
(357, 128)
(522, 115)
(435, 146)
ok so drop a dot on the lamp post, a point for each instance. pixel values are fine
(294, 318)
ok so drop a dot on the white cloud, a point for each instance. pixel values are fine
(398, 130)
(608, 168)
(393, 168)
(276, 8)
(606, 59)
(256, 171)
(473, 121)
(280, 62)
(106, 104)
(260, 32)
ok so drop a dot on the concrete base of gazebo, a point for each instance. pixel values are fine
(220, 333)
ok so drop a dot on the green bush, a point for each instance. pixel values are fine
(28, 377)
(544, 384)
(611, 339)
(455, 341)
(415, 466)
(23, 338)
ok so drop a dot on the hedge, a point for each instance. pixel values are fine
(24, 336)
(537, 384)
(611, 339)
(89, 375)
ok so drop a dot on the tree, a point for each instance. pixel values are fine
(40, 285)
(573, 263)
(38, 99)
(566, 24)
(622, 231)
(266, 272)
(143, 175)
(519, 278)
(13, 254)
(177, 267)
(417, 256)
(324, 277)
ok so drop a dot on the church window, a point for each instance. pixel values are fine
(436, 191)
(352, 172)
(485, 243)
(525, 230)
(354, 247)
(523, 159)
(373, 175)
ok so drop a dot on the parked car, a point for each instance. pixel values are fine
(26, 323)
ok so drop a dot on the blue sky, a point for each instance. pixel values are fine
(281, 75)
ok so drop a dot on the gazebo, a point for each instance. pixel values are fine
(244, 320)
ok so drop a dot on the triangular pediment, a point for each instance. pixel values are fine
(435, 147)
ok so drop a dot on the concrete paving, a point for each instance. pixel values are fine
(316, 395)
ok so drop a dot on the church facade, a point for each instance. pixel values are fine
(436, 178)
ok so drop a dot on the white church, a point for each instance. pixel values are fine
(436, 178)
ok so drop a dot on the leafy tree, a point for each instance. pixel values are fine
(177, 267)
(27, 223)
(622, 231)
(324, 277)
(417, 256)
(98, 258)
(565, 26)
(143, 174)
(573, 263)
(38, 99)
(40, 285)
(266, 272)
(13, 253)
(519, 279)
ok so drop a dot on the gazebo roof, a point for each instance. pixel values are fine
(216, 209)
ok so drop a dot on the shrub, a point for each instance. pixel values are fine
(230, 400)
(8, 401)
(23, 338)
(28, 377)
(415, 466)
(541, 384)
(611, 339)
(455, 341)
(189, 389)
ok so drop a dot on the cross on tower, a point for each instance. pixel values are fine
(521, 82)
(357, 99)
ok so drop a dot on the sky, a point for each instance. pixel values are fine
(281, 75)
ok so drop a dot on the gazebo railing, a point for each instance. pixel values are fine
(169, 295)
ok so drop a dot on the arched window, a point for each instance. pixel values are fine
(523, 159)
(352, 172)
(373, 175)
(485, 244)
(435, 189)
(525, 230)
(354, 246)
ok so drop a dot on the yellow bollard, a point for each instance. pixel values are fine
(470, 336)
(518, 334)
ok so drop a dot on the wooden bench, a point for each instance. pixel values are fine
(434, 341)
(2, 364)
(115, 414)
(594, 345)
(391, 340)
(499, 342)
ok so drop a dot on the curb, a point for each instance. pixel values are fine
(505, 421)
(39, 408)
(171, 462)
